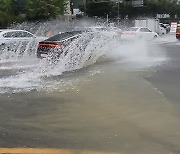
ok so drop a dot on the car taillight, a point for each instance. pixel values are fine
(49, 45)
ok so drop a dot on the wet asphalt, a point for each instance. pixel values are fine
(167, 76)
(35, 119)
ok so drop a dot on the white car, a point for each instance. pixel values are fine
(11, 35)
(17, 39)
(136, 33)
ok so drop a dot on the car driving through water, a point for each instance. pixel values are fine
(178, 32)
(57, 45)
(54, 45)
(136, 33)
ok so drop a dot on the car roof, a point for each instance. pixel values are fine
(13, 30)
(10, 30)
(63, 36)
(138, 27)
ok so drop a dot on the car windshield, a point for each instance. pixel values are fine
(63, 36)
(132, 29)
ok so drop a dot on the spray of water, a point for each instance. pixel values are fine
(26, 72)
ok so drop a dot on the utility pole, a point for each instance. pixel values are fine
(118, 17)
(84, 2)
(118, 13)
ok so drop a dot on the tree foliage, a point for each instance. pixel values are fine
(6, 6)
(99, 8)
(45, 9)
(150, 8)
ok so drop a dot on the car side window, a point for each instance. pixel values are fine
(144, 30)
(17, 34)
(9, 35)
(23, 34)
(26, 34)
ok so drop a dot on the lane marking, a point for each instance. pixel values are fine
(49, 151)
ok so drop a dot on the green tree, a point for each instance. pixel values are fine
(162, 6)
(6, 6)
(7, 13)
(97, 7)
(151, 8)
(45, 9)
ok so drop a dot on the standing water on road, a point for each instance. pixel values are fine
(25, 72)
(94, 98)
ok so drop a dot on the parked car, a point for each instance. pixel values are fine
(54, 45)
(165, 26)
(10, 35)
(163, 29)
(136, 33)
(178, 32)
(17, 39)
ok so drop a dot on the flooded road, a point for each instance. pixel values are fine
(118, 104)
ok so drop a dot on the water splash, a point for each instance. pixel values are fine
(24, 72)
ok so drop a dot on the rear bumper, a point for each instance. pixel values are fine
(51, 52)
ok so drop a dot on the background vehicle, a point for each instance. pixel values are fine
(165, 26)
(168, 27)
(162, 30)
(17, 40)
(152, 24)
(135, 33)
(178, 32)
(9, 36)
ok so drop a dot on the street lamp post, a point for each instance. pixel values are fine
(118, 2)
(118, 13)
(85, 13)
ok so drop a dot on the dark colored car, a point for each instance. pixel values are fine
(54, 45)
(178, 32)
